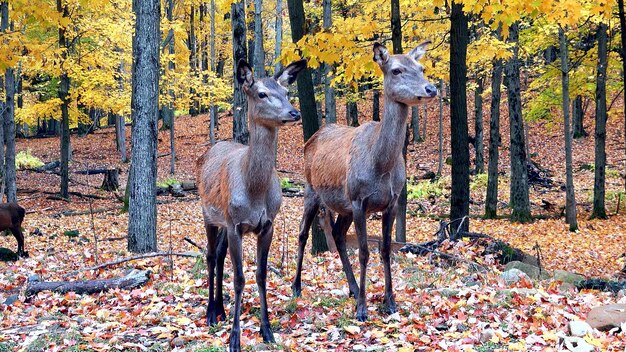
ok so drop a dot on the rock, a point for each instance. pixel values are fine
(34, 278)
(512, 276)
(261, 347)
(607, 317)
(11, 299)
(429, 176)
(530, 270)
(566, 287)
(448, 292)
(579, 328)
(486, 335)
(188, 185)
(7, 255)
(177, 342)
(566, 276)
(177, 190)
(577, 344)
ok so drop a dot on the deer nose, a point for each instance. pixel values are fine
(295, 114)
(431, 90)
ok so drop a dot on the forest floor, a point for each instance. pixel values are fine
(437, 308)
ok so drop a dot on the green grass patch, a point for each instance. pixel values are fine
(286, 183)
(210, 349)
(292, 306)
(25, 160)
(199, 269)
(7, 346)
(170, 181)
(479, 182)
(424, 190)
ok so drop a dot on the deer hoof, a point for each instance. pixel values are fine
(234, 345)
(296, 291)
(390, 305)
(361, 314)
(268, 336)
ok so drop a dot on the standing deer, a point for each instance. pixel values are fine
(358, 171)
(240, 191)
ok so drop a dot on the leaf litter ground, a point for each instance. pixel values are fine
(440, 307)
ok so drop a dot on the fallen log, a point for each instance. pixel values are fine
(134, 279)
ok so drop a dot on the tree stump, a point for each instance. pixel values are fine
(111, 180)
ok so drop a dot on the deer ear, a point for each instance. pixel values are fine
(381, 54)
(289, 74)
(419, 51)
(244, 74)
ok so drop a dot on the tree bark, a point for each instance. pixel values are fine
(306, 95)
(440, 134)
(491, 201)
(415, 124)
(478, 126)
(259, 52)
(459, 38)
(352, 114)
(577, 117)
(519, 174)
(133, 280)
(279, 35)
(622, 26)
(63, 94)
(142, 213)
(240, 106)
(376, 105)
(330, 103)
(193, 64)
(570, 198)
(9, 121)
(213, 109)
(170, 107)
(599, 210)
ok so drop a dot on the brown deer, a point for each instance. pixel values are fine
(11, 217)
(240, 191)
(358, 171)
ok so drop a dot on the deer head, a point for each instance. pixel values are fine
(268, 99)
(404, 77)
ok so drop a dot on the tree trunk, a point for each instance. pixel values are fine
(279, 35)
(193, 65)
(578, 114)
(622, 26)
(440, 135)
(352, 114)
(519, 174)
(63, 93)
(491, 201)
(308, 109)
(376, 106)
(4, 25)
(213, 109)
(415, 124)
(142, 213)
(240, 106)
(120, 129)
(9, 120)
(259, 52)
(170, 107)
(599, 210)
(478, 126)
(133, 280)
(459, 38)
(570, 199)
(330, 103)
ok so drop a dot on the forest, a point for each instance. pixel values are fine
(319, 175)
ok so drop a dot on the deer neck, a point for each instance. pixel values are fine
(259, 161)
(390, 135)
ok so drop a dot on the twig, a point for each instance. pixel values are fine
(274, 270)
(141, 256)
(537, 249)
(169, 214)
(190, 241)
(93, 228)
(114, 238)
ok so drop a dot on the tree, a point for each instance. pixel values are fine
(578, 114)
(169, 108)
(459, 38)
(478, 125)
(622, 26)
(519, 202)
(9, 121)
(570, 199)
(145, 108)
(599, 210)
(415, 124)
(213, 108)
(330, 104)
(279, 34)
(63, 93)
(240, 106)
(259, 52)
(308, 107)
(491, 200)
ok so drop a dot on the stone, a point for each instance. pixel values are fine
(607, 317)
(34, 278)
(566, 287)
(177, 342)
(512, 276)
(530, 270)
(7, 255)
(579, 328)
(11, 299)
(261, 347)
(486, 335)
(568, 277)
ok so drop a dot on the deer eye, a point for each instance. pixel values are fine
(396, 71)
(262, 95)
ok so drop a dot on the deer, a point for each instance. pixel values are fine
(357, 171)
(11, 217)
(240, 192)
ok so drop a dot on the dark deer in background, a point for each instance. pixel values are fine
(11, 217)
(240, 191)
(358, 171)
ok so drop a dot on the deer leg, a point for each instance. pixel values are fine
(17, 232)
(389, 216)
(211, 234)
(236, 257)
(359, 213)
(222, 248)
(264, 240)
(339, 234)
(311, 205)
